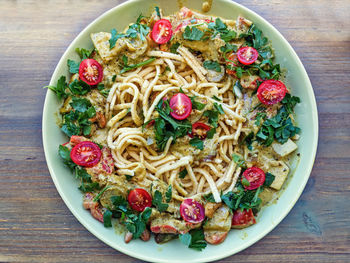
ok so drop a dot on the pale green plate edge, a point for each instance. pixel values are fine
(151, 251)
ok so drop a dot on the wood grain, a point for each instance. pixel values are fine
(36, 226)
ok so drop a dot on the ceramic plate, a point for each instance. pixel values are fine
(237, 240)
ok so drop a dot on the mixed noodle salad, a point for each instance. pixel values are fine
(180, 125)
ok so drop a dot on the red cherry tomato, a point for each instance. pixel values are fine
(232, 63)
(181, 105)
(271, 91)
(139, 199)
(162, 31)
(86, 154)
(255, 177)
(90, 71)
(199, 129)
(192, 211)
(243, 218)
(247, 55)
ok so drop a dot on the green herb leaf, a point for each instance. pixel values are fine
(192, 33)
(168, 194)
(114, 37)
(212, 65)
(183, 173)
(197, 239)
(210, 133)
(239, 161)
(174, 47)
(245, 182)
(84, 53)
(196, 105)
(79, 87)
(185, 239)
(220, 28)
(73, 66)
(60, 88)
(97, 198)
(269, 178)
(249, 140)
(130, 67)
(209, 198)
(219, 108)
(157, 201)
(80, 104)
(107, 218)
(198, 143)
(64, 153)
(158, 12)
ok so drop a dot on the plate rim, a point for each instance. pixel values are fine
(214, 256)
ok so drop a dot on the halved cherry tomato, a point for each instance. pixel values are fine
(139, 199)
(162, 31)
(199, 129)
(90, 71)
(271, 91)
(232, 63)
(255, 177)
(247, 55)
(181, 105)
(86, 154)
(243, 218)
(192, 211)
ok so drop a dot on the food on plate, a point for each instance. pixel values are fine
(180, 125)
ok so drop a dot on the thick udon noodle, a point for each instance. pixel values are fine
(130, 149)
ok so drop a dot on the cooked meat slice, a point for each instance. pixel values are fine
(167, 224)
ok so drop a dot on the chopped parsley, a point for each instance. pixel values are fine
(218, 27)
(107, 218)
(210, 133)
(174, 47)
(133, 66)
(192, 33)
(212, 65)
(73, 66)
(194, 239)
(165, 126)
(157, 201)
(168, 194)
(198, 143)
(269, 178)
(60, 88)
(239, 161)
(100, 193)
(79, 87)
(84, 53)
(183, 173)
(213, 115)
(196, 105)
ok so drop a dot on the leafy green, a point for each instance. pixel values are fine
(76, 122)
(138, 29)
(249, 140)
(100, 193)
(239, 161)
(183, 173)
(259, 117)
(73, 66)
(228, 48)
(194, 239)
(192, 33)
(269, 178)
(289, 102)
(134, 30)
(133, 66)
(212, 65)
(209, 197)
(60, 88)
(210, 133)
(86, 183)
(213, 115)
(107, 218)
(196, 105)
(198, 143)
(157, 201)
(245, 182)
(158, 12)
(64, 153)
(218, 27)
(244, 199)
(114, 37)
(165, 126)
(84, 53)
(173, 47)
(137, 224)
(168, 194)
(279, 127)
(79, 87)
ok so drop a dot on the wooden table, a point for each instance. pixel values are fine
(35, 224)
